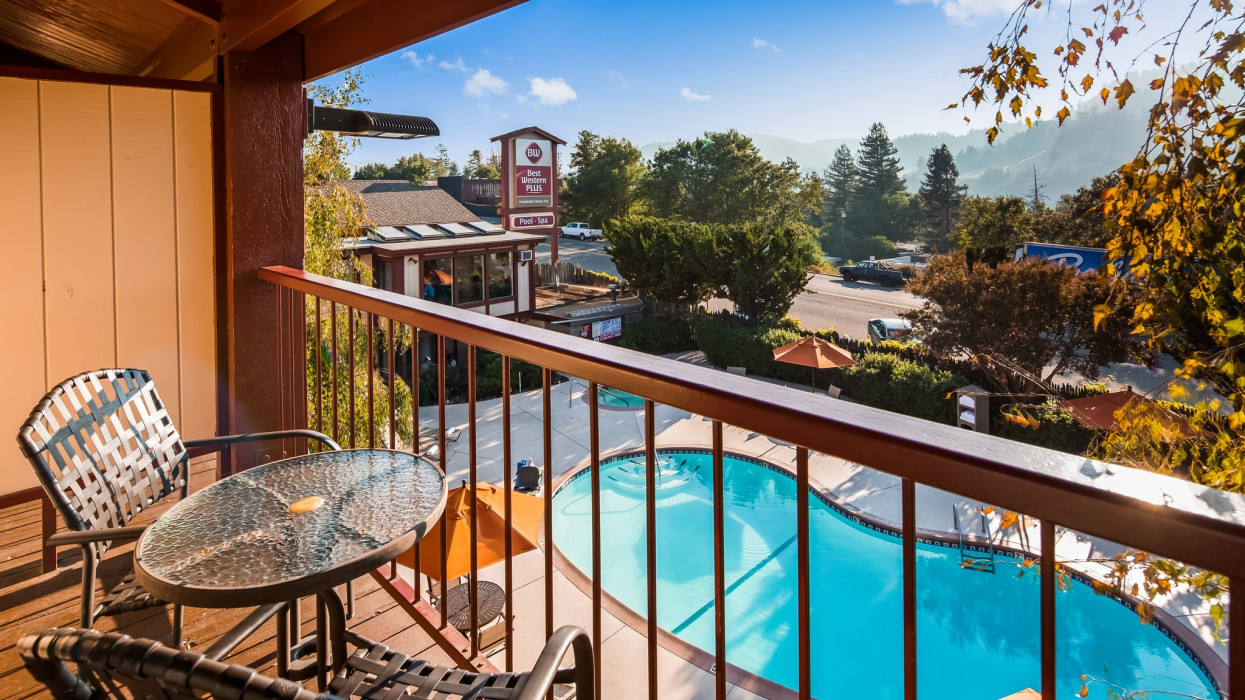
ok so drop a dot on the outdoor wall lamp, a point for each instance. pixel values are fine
(360, 123)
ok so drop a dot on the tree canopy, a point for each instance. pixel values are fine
(941, 194)
(605, 184)
(880, 199)
(760, 267)
(722, 179)
(994, 222)
(1030, 315)
(416, 168)
(1175, 214)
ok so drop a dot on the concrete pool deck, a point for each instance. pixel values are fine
(624, 649)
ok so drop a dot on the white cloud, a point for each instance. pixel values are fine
(457, 65)
(483, 83)
(694, 97)
(420, 62)
(763, 44)
(552, 92)
(622, 79)
(965, 11)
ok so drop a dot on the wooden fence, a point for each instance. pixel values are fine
(548, 274)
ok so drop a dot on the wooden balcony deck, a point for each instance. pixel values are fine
(51, 600)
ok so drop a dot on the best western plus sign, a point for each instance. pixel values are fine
(533, 173)
(529, 196)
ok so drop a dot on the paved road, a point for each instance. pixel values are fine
(829, 302)
(589, 255)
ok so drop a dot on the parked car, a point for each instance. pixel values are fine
(581, 230)
(897, 329)
(883, 273)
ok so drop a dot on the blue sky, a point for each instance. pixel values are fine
(659, 70)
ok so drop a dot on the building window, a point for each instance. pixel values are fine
(381, 272)
(500, 279)
(468, 279)
(438, 281)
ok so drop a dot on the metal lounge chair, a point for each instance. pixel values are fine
(527, 478)
(105, 449)
(116, 666)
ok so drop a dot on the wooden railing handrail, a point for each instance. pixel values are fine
(1163, 515)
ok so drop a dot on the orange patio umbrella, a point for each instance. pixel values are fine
(811, 351)
(491, 531)
(1026, 694)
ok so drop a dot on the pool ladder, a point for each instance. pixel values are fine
(973, 559)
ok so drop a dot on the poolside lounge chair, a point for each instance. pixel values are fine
(528, 477)
(105, 449)
(75, 664)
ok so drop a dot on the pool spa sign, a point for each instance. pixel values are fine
(522, 222)
(533, 173)
(529, 183)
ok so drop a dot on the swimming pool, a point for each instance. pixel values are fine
(977, 633)
(617, 399)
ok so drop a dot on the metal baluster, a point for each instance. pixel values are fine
(650, 522)
(546, 414)
(508, 488)
(1236, 652)
(719, 564)
(445, 545)
(473, 597)
(414, 387)
(333, 359)
(416, 448)
(908, 511)
(371, 389)
(393, 443)
(804, 600)
(319, 373)
(594, 454)
(1047, 594)
(350, 389)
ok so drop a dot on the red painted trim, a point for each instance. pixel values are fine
(73, 76)
(17, 498)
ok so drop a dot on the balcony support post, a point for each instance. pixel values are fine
(264, 121)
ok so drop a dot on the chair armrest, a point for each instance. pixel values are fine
(115, 534)
(546, 672)
(223, 441)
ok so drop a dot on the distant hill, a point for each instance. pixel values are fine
(1095, 140)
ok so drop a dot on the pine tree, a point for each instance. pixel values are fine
(880, 202)
(941, 195)
(840, 179)
(475, 161)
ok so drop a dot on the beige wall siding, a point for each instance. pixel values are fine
(108, 205)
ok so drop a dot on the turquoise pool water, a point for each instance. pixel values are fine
(977, 633)
(616, 398)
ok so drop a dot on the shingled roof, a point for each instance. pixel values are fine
(399, 203)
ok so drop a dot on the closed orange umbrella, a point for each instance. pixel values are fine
(491, 531)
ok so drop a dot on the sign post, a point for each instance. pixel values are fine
(529, 183)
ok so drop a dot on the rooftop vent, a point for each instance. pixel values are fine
(378, 124)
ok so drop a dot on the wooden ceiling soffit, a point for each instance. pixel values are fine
(183, 54)
(247, 25)
(377, 27)
(206, 11)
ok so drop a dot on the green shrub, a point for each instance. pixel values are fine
(1057, 429)
(729, 342)
(488, 379)
(659, 335)
(883, 380)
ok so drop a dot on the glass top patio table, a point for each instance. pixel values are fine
(290, 528)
